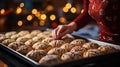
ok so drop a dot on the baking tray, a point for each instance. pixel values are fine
(19, 60)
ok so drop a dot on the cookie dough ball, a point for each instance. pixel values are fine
(24, 49)
(67, 46)
(105, 49)
(91, 53)
(42, 46)
(9, 34)
(56, 43)
(22, 39)
(47, 40)
(36, 39)
(29, 36)
(29, 42)
(79, 49)
(35, 32)
(50, 60)
(67, 39)
(78, 42)
(56, 51)
(69, 56)
(42, 35)
(2, 37)
(91, 45)
(36, 55)
(24, 32)
(15, 36)
(7, 41)
(15, 45)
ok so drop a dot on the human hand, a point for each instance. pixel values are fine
(61, 30)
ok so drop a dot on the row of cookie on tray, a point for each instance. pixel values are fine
(41, 47)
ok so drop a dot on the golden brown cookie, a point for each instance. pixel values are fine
(7, 41)
(78, 42)
(91, 45)
(50, 60)
(2, 37)
(105, 49)
(67, 46)
(36, 39)
(23, 32)
(29, 42)
(15, 45)
(56, 51)
(91, 53)
(56, 43)
(69, 56)
(47, 40)
(9, 34)
(36, 55)
(79, 49)
(24, 49)
(35, 32)
(22, 39)
(42, 46)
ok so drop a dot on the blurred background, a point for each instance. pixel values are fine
(35, 14)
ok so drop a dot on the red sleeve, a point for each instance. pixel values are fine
(84, 18)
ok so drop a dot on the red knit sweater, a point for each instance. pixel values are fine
(107, 15)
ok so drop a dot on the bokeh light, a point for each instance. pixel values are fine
(19, 10)
(2, 11)
(20, 23)
(68, 5)
(52, 17)
(43, 16)
(34, 11)
(42, 23)
(73, 10)
(21, 4)
(29, 17)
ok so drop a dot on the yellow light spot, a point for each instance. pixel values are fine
(65, 9)
(62, 19)
(52, 17)
(37, 14)
(35, 23)
(34, 11)
(43, 16)
(42, 23)
(68, 5)
(19, 10)
(21, 4)
(20, 23)
(2, 11)
(49, 8)
(82, 10)
(29, 17)
(73, 10)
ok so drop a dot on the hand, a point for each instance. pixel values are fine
(62, 30)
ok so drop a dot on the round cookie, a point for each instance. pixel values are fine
(69, 56)
(36, 55)
(42, 46)
(24, 49)
(50, 60)
(78, 42)
(15, 45)
(105, 49)
(56, 51)
(90, 45)
(56, 43)
(79, 49)
(91, 53)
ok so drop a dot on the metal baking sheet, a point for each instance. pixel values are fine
(80, 62)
